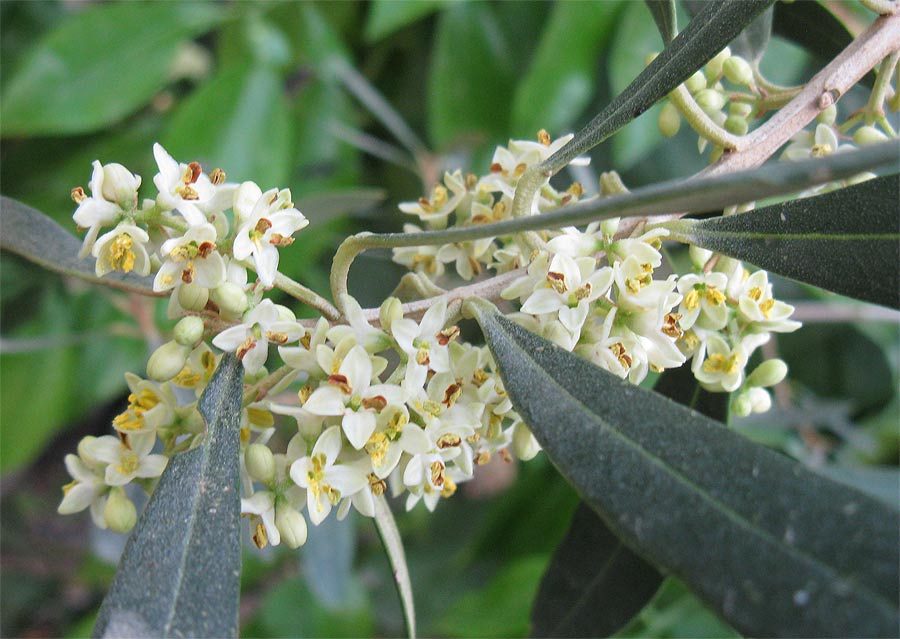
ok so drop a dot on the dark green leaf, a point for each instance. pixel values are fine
(251, 135)
(37, 238)
(180, 573)
(846, 241)
(773, 547)
(561, 79)
(100, 65)
(707, 34)
(812, 26)
(471, 79)
(663, 12)
(387, 16)
(595, 584)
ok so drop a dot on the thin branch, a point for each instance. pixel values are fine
(831, 312)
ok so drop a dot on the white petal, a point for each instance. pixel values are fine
(152, 466)
(544, 300)
(326, 400)
(329, 444)
(358, 427)
(345, 478)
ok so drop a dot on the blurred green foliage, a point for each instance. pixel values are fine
(251, 87)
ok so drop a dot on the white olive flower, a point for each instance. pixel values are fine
(719, 367)
(266, 222)
(185, 188)
(193, 257)
(703, 301)
(756, 305)
(113, 193)
(358, 328)
(122, 249)
(426, 343)
(435, 210)
(87, 489)
(128, 457)
(262, 505)
(467, 256)
(250, 340)
(150, 406)
(303, 357)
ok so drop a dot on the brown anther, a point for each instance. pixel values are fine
(273, 199)
(452, 394)
(188, 193)
(377, 403)
(304, 393)
(566, 198)
(422, 358)
(78, 195)
(496, 167)
(557, 281)
(543, 137)
(426, 205)
(277, 239)
(437, 473)
(447, 335)
(187, 275)
(277, 337)
(341, 382)
(306, 340)
(217, 176)
(471, 181)
(448, 441)
(576, 189)
(196, 170)
(670, 325)
(262, 226)
(248, 345)
(505, 456)
(260, 538)
(123, 439)
(205, 249)
(618, 349)
(583, 292)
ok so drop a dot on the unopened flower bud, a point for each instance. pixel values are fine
(285, 314)
(769, 373)
(827, 115)
(699, 256)
(710, 100)
(189, 331)
(291, 525)
(390, 311)
(120, 185)
(85, 446)
(524, 443)
(611, 184)
(868, 135)
(260, 462)
(738, 71)
(230, 299)
(167, 361)
(714, 67)
(741, 406)
(740, 109)
(760, 400)
(736, 125)
(119, 513)
(193, 297)
(669, 120)
(696, 82)
(610, 227)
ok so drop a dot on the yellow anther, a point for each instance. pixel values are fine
(766, 307)
(260, 537)
(437, 473)
(217, 176)
(448, 441)
(128, 463)
(543, 137)
(557, 282)
(121, 257)
(714, 296)
(755, 293)
(78, 195)
(692, 299)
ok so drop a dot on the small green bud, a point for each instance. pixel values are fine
(769, 373)
(699, 256)
(230, 299)
(736, 125)
(524, 444)
(738, 71)
(291, 525)
(119, 513)
(391, 310)
(167, 361)
(741, 406)
(193, 297)
(260, 462)
(189, 331)
(611, 184)
(740, 109)
(710, 100)
(669, 120)
(714, 67)
(827, 115)
(868, 135)
(696, 82)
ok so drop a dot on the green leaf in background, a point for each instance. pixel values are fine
(239, 122)
(472, 77)
(387, 16)
(665, 17)
(773, 547)
(562, 77)
(100, 65)
(180, 572)
(37, 238)
(846, 241)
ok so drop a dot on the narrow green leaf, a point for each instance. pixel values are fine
(393, 546)
(563, 74)
(471, 79)
(180, 573)
(595, 584)
(100, 65)
(846, 241)
(707, 34)
(773, 547)
(387, 16)
(663, 12)
(813, 27)
(252, 135)
(37, 238)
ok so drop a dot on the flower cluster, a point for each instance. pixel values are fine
(387, 400)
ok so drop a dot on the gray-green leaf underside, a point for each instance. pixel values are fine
(39, 239)
(180, 573)
(846, 241)
(776, 549)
